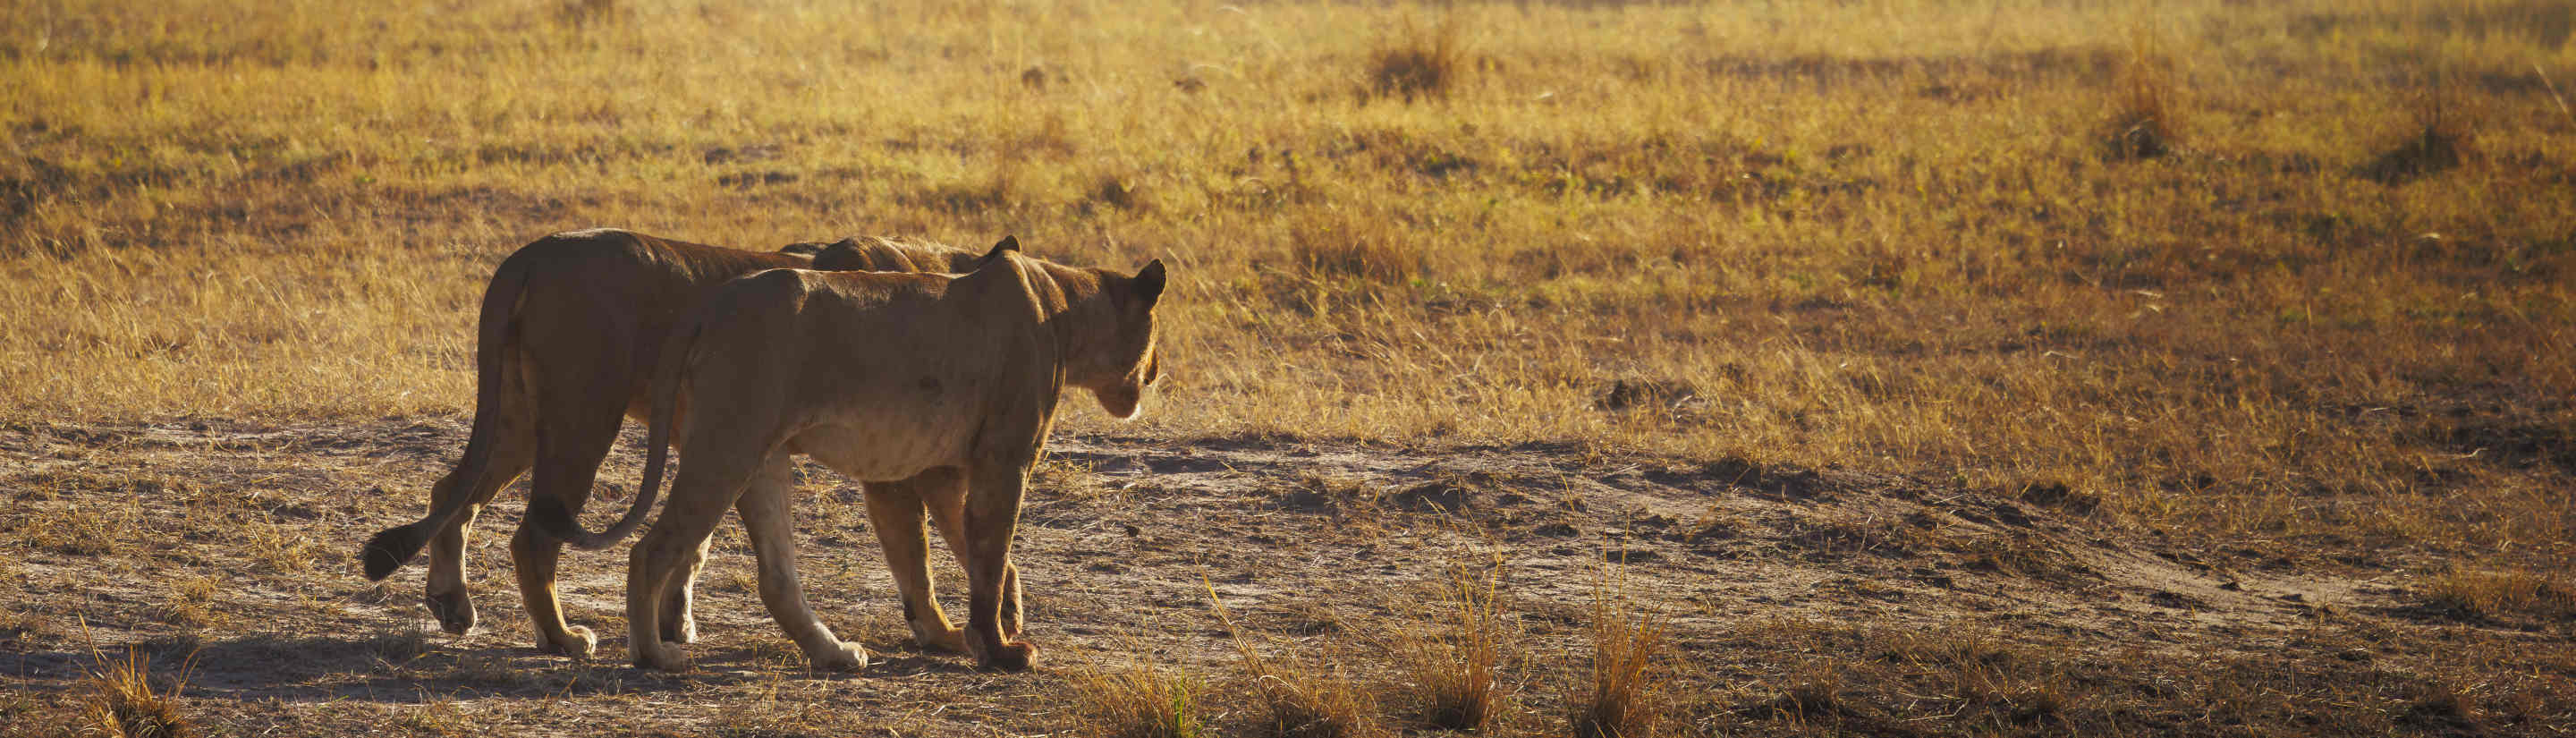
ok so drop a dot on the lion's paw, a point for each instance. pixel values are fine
(455, 612)
(841, 657)
(952, 641)
(1018, 656)
(671, 657)
(577, 642)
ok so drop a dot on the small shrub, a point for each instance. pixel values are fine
(585, 12)
(1814, 692)
(77, 530)
(1119, 193)
(190, 603)
(1423, 63)
(399, 645)
(1343, 252)
(2143, 124)
(2447, 707)
(282, 550)
(2435, 143)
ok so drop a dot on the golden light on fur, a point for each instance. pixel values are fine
(555, 349)
(889, 377)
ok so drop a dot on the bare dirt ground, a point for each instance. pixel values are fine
(1797, 601)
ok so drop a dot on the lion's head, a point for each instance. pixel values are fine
(1130, 361)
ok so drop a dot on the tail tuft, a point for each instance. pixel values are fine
(391, 549)
(551, 517)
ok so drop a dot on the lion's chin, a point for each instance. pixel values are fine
(1120, 404)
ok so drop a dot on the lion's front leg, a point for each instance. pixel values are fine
(947, 506)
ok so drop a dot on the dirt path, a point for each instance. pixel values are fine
(231, 546)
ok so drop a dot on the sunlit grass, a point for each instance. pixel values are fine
(1881, 235)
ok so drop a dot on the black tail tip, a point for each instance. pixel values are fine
(391, 549)
(550, 517)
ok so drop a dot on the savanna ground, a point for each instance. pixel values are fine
(1913, 368)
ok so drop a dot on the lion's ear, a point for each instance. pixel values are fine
(841, 257)
(1008, 243)
(1149, 281)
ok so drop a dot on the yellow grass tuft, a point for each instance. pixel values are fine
(2435, 140)
(1300, 703)
(1451, 661)
(1334, 252)
(1422, 62)
(1624, 695)
(1135, 702)
(2143, 121)
(122, 703)
(2509, 593)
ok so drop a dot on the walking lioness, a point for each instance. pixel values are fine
(571, 325)
(881, 377)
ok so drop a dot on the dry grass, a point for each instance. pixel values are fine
(2544, 596)
(2009, 683)
(2337, 327)
(1136, 701)
(1625, 693)
(1421, 62)
(1342, 250)
(1299, 702)
(2144, 122)
(122, 702)
(1890, 251)
(191, 603)
(2435, 140)
(1451, 660)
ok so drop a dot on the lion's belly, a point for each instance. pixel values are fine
(887, 446)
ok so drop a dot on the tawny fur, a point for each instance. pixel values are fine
(881, 377)
(570, 325)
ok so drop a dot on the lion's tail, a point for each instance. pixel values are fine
(393, 547)
(668, 373)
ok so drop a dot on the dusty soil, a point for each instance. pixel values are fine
(1796, 600)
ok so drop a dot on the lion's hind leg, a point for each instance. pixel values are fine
(513, 450)
(569, 452)
(764, 509)
(895, 509)
(697, 503)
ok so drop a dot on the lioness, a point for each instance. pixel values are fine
(570, 325)
(879, 376)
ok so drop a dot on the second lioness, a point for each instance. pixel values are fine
(881, 377)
